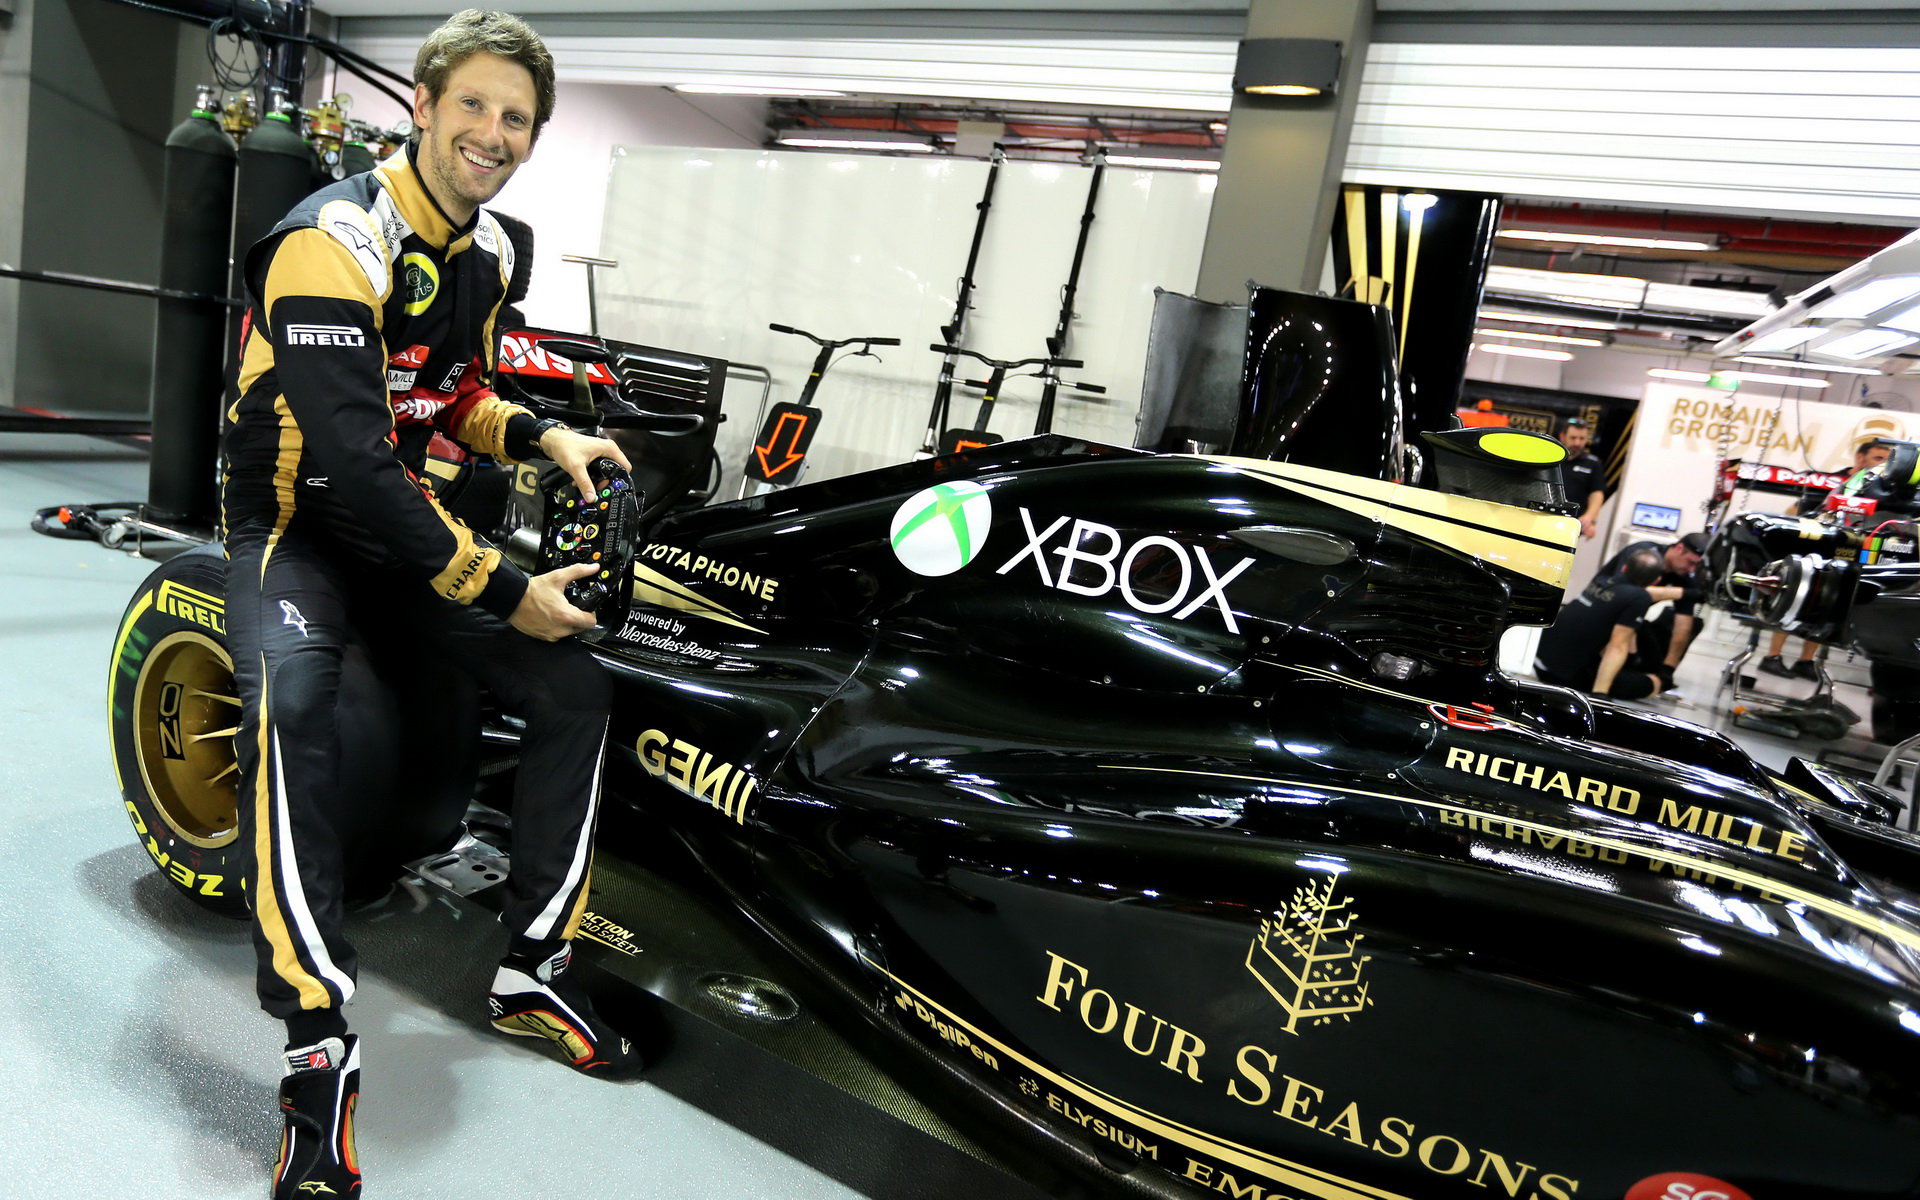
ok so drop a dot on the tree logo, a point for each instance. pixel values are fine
(1308, 957)
(941, 529)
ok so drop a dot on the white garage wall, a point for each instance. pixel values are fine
(1831, 131)
(715, 245)
(562, 190)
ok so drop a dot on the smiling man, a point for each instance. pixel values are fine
(369, 330)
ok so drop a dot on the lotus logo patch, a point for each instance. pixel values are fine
(420, 279)
(940, 530)
(1308, 957)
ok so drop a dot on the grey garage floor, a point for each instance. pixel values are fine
(134, 1064)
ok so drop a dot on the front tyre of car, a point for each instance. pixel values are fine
(173, 712)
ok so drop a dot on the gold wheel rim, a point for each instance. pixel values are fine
(186, 714)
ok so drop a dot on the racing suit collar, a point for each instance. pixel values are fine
(418, 206)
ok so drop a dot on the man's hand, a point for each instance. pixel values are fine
(544, 611)
(571, 451)
(1660, 593)
(1589, 528)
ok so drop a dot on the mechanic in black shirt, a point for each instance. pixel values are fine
(370, 328)
(1665, 637)
(1591, 645)
(1580, 474)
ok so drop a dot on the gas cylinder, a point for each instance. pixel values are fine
(356, 158)
(276, 172)
(188, 339)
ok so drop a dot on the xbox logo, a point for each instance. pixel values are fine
(941, 529)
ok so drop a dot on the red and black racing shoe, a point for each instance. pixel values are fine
(317, 1097)
(538, 1000)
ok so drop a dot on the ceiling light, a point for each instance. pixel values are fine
(1831, 368)
(730, 89)
(1866, 343)
(1783, 339)
(1907, 321)
(1726, 302)
(1595, 239)
(1592, 301)
(1682, 376)
(1571, 286)
(1787, 380)
(1286, 67)
(856, 139)
(1169, 163)
(1494, 314)
(1526, 352)
(1525, 335)
(1869, 298)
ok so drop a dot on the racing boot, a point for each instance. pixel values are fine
(535, 998)
(317, 1098)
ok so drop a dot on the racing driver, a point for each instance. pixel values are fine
(370, 327)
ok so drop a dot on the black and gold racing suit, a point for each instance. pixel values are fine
(370, 329)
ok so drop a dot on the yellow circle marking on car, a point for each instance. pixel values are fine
(1524, 447)
(186, 712)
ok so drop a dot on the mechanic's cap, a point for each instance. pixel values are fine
(1696, 542)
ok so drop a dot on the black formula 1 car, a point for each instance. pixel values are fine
(1165, 821)
(1847, 575)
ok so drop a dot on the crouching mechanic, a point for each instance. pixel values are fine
(370, 327)
(1592, 644)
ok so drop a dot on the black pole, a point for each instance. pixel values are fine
(1057, 344)
(266, 16)
(951, 331)
(288, 58)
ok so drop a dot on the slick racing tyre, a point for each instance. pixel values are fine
(174, 710)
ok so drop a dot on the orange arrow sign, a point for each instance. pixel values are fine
(794, 454)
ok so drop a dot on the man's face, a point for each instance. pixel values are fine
(1872, 456)
(1575, 439)
(1681, 560)
(478, 131)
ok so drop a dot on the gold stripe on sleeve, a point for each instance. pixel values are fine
(471, 565)
(484, 426)
(308, 262)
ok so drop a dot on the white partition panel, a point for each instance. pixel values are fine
(716, 244)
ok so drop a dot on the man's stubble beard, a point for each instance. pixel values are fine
(445, 172)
